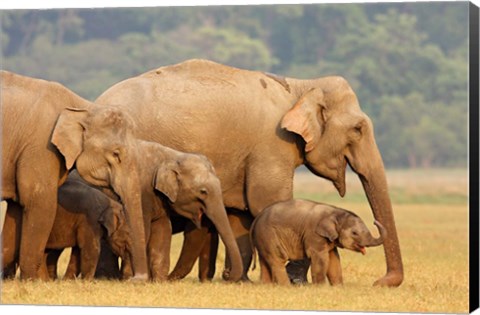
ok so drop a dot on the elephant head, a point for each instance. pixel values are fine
(118, 234)
(99, 142)
(348, 231)
(335, 132)
(193, 189)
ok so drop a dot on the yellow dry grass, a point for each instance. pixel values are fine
(434, 243)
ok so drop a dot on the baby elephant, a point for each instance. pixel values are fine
(302, 229)
(80, 223)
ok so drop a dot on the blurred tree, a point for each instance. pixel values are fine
(232, 47)
(69, 27)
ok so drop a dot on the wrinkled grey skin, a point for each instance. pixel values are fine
(257, 128)
(84, 216)
(301, 229)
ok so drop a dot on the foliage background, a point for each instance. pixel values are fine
(408, 62)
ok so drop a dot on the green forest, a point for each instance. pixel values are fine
(407, 62)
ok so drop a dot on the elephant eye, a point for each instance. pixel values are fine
(358, 129)
(204, 191)
(354, 233)
(116, 155)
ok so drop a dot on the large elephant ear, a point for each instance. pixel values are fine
(68, 134)
(303, 118)
(327, 228)
(166, 180)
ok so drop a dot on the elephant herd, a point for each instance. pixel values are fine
(196, 147)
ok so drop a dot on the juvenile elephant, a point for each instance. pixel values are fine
(257, 128)
(302, 229)
(82, 216)
(46, 130)
(176, 183)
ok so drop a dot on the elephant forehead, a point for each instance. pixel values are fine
(198, 165)
(111, 117)
(201, 179)
(354, 222)
(96, 142)
(346, 230)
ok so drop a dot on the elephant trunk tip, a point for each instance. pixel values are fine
(383, 234)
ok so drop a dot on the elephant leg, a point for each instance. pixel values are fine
(320, 262)
(51, 260)
(334, 271)
(297, 271)
(107, 266)
(40, 204)
(74, 263)
(265, 272)
(126, 270)
(208, 257)
(9, 271)
(159, 248)
(193, 242)
(37, 192)
(240, 222)
(89, 254)
(10, 239)
(277, 267)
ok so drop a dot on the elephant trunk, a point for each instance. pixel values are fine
(216, 212)
(375, 185)
(377, 241)
(129, 190)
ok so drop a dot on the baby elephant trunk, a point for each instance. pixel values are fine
(377, 241)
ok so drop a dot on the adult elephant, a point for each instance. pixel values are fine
(257, 128)
(47, 129)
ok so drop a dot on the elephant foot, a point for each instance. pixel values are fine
(177, 274)
(226, 276)
(174, 278)
(143, 277)
(205, 280)
(391, 279)
(298, 281)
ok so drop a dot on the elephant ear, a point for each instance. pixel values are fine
(68, 134)
(303, 118)
(166, 180)
(109, 220)
(327, 228)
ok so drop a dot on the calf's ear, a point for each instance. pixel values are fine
(166, 180)
(109, 220)
(327, 228)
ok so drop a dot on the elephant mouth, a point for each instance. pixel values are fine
(360, 249)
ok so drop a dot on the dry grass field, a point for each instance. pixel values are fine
(431, 209)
